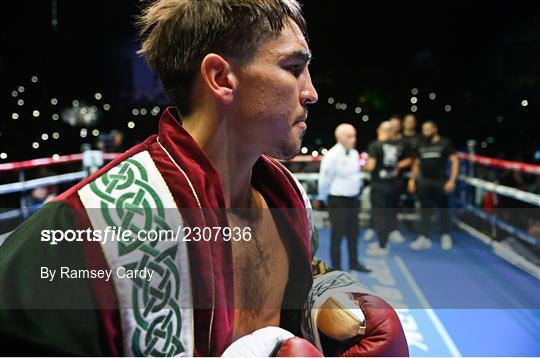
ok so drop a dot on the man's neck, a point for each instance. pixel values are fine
(228, 154)
(409, 132)
(435, 138)
(347, 150)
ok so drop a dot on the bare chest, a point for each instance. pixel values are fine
(261, 268)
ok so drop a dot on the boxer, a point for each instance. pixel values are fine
(237, 73)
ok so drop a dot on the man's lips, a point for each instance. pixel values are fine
(301, 122)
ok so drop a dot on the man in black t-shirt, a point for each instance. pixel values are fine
(409, 135)
(434, 183)
(386, 159)
(404, 145)
(411, 139)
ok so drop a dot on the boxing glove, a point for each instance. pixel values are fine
(269, 342)
(341, 318)
(344, 318)
(297, 347)
(382, 335)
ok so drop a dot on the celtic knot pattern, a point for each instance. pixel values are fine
(129, 201)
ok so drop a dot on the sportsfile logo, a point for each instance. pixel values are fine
(118, 234)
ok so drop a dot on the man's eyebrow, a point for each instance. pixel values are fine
(303, 55)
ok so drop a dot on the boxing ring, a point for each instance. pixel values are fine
(88, 161)
(482, 298)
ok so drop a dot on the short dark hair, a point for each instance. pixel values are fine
(177, 34)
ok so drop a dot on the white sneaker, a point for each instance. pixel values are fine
(446, 242)
(375, 250)
(369, 234)
(396, 237)
(421, 243)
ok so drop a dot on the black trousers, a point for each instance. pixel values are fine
(407, 205)
(433, 198)
(408, 199)
(343, 212)
(384, 198)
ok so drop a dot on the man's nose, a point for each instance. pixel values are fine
(309, 93)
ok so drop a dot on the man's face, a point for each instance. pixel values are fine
(385, 131)
(409, 123)
(274, 89)
(118, 138)
(383, 135)
(396, 125)
(349, 138)
(428, 129)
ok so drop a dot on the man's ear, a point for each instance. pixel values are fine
(216, 73)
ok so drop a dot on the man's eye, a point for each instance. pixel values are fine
(296, 70)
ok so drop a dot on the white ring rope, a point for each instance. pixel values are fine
(507, 191)
(40, 182)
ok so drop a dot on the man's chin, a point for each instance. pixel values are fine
(285, 152)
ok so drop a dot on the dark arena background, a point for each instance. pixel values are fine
(74, 93)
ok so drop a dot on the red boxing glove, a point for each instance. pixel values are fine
(344, 318)
(384, 336)
(298, 347)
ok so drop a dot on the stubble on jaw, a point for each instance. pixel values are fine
(286, 151)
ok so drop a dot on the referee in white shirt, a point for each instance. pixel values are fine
(339, 186)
